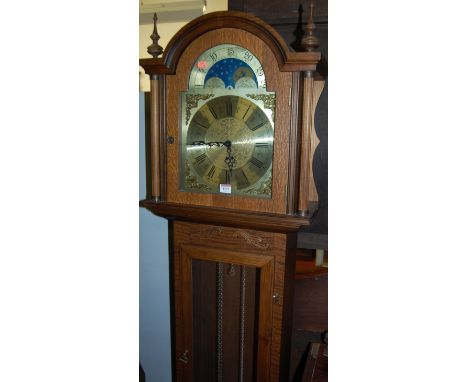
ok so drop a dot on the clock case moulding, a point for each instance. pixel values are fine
(239, 232)
(301, 88)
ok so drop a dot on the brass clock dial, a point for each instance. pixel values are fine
(229, 141)
(227, 125)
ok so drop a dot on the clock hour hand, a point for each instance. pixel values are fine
(229, 160)
(203, 143)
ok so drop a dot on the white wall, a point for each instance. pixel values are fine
(166, 30)
(155, 341)
(169, 29)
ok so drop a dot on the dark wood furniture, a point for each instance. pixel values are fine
(310, 318)
(313, 366)
(142, 374)
(233, 257)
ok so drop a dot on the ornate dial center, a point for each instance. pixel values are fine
(235, 132)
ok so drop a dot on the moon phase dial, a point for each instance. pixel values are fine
(227, 66)
(230, 141)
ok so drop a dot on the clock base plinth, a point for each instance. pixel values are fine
(226, 217)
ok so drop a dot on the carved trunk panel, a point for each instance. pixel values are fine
(229, 303)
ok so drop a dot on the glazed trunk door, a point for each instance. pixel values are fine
(226, 314)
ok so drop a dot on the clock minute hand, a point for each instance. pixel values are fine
(229, 160)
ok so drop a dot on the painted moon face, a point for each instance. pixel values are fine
(214, 82)
(235, 66)
(245, 82)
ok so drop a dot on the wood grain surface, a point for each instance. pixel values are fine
(231, 218)
(317, 89)
(276, 266)
(242, 231)
(276, 81)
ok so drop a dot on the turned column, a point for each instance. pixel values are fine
(155, 138)
(155, 128)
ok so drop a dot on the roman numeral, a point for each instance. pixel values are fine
(245, 176)
(201, 125)
(256, 162)
(257, 126)
(211, 172)
(227, 178)
(246, 112)
(262, 145)
(213, 112)
(229, 108)
(199, 159)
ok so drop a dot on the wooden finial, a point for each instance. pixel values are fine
(310, 42)
(155, 49)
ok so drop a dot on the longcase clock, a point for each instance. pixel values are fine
(230, 152)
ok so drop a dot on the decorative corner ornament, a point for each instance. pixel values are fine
(191, 181)
(256, 241)
(264, 188)
(192, 102)
(155, 49)
(268, 102)
(309, 41)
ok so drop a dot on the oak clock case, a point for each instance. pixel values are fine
(228, 147)
(227, 131)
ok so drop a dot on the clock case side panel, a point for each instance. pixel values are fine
(278, 82)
